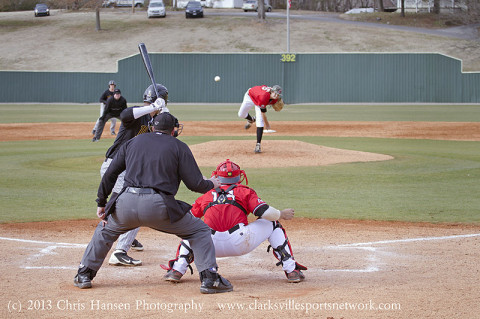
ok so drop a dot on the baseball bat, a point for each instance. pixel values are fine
(148, 65)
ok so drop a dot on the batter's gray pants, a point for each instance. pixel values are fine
(125, 240)
(135, 210)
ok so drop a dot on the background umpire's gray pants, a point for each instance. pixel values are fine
(113, 120)
(101, 125)
(135, 210)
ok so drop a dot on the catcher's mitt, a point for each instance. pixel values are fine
(278, 106)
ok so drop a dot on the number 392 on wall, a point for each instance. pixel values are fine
(287, 57)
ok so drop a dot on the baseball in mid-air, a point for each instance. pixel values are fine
(217, 78)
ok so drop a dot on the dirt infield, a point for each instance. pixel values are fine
(461, 131)
(357, 269)
(385, 270)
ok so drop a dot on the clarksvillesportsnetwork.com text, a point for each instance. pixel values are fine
(292, 305)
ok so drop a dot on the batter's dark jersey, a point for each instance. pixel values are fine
(129, 128)
(104, 97)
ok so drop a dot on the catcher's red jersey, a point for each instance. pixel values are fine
(260, 96)
(222, 217)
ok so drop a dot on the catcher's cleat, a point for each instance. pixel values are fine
(258, 148)
(137, 246)
(249, 123)
(213, 283)
(120, 258)
(95, 140)
(295, 276)
(173, 276)
(82, 281)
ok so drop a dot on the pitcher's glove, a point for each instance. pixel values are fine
(278, 106)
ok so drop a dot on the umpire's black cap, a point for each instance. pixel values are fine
(165, 122)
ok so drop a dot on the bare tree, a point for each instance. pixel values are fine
(97, 19)
(381, 7)
(261, 10)
(436, 6)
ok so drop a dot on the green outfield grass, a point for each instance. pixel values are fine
(432, 181)
(35, 113)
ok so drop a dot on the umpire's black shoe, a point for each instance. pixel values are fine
(82, 281)
(213, 283)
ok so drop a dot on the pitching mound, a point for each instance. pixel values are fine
(279, 153)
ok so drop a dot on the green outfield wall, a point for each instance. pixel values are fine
(306, 78)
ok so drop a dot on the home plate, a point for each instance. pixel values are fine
(269, 131)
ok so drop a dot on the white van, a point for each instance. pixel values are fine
(123, 3)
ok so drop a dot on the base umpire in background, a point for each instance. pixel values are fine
(114, 106)
(154, 164)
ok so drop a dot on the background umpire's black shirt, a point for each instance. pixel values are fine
(157, 161)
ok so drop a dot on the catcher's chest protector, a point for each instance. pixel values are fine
(222, 198)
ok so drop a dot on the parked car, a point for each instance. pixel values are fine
(41, 9)
(123, 3)
(252, 5)
(193, 9)
(207, 3)
(156, 9)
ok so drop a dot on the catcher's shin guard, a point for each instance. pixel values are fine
(281, 252)
(188, 257)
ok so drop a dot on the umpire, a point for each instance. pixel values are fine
(114, 106)
(155, 164)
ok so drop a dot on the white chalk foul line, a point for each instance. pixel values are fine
(49, 250)
(50, 267)
(408, 240)
(373, 260)
(45, 242)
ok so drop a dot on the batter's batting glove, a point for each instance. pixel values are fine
(159, 105)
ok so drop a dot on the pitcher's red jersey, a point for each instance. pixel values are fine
(260, 96)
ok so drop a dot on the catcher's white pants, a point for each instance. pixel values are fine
(125, 240)
(241, 242)
(246, 106)
(113, 121)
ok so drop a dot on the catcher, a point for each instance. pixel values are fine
(260, 97)
(225, 210)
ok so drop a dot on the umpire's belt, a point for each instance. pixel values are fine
(139, 190)
(231, 230)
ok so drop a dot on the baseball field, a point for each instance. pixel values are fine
(386, 200)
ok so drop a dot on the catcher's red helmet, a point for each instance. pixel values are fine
(230, 173)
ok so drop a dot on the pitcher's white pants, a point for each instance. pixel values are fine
(246, 106)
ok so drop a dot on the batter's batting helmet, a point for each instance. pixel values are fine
(150, 96)
(112, 82)
(230, 173)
